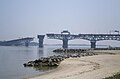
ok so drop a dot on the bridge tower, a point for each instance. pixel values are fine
(41, 38)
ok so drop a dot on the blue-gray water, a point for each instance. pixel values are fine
(12, 59)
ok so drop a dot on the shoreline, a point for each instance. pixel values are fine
(89, 67)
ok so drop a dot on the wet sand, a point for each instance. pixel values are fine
(90, 67)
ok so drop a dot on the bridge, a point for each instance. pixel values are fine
(93, 38)
(65, 36)
(17, 42)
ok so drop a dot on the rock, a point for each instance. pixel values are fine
(48, 61)
(56, 60)
(70, 50)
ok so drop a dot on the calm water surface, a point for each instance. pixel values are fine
(12, 59)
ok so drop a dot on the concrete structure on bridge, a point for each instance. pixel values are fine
(93, 38)
(41, 38)
(64, 36)
(17, 42)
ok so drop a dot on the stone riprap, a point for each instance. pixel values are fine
(70, 50)
(45, 61)
(56, 60)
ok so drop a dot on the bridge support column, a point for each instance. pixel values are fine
(27, 43)
(93, 44)
(65, 43)
(41, 38)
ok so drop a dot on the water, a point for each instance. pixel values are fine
(12, 59)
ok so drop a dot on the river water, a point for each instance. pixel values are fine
(12, 59)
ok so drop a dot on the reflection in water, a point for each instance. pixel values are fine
(40, 52)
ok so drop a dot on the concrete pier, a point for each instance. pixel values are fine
(93, 44)
(65, 43)
(27, 43)
(41, 39)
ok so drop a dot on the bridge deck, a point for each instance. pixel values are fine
(16, 41)
(90, 37)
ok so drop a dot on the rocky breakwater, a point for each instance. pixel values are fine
(45, 61)
(74, 52)
(70, 50)
(54, 61)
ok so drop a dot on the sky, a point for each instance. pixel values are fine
(28, 18)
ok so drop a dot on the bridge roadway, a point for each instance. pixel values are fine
(17, 42)
(93, 38)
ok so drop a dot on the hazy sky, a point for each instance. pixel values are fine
(22, 18)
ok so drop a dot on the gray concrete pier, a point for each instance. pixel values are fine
(27, 43)
(41, 39)
(93, 44)
(65, 43)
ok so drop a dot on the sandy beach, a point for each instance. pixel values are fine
(89, 67)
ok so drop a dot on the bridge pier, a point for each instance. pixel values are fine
(65, 43)
(27, 43)
(93, 44)
(41, 38)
